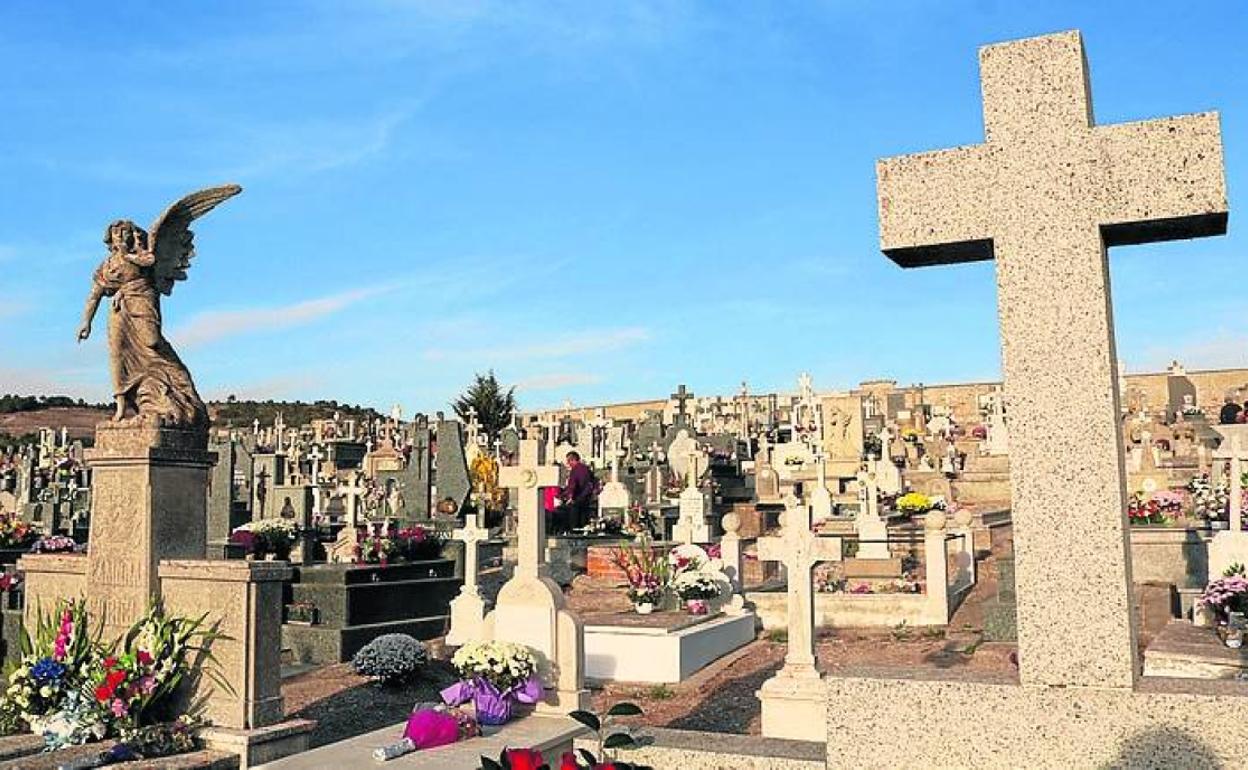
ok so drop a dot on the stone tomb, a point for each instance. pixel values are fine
(665, 647)
(1045, 195)
(148, 540)
(358, 603)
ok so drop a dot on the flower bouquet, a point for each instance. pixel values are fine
(495, 676)
(430, 726)
(697, 589)
(267, 536)
(54, 544)
(1227, 594)
(913, 503)
(417, 543)
(16, 533)
(647, 574)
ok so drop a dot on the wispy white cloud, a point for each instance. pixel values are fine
(555, 346)
(557, 381)
(215, 325)
(1219, 349)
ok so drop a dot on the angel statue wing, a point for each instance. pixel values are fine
(171, 236)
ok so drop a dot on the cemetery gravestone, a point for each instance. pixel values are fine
(1044, 196)
(452, 464)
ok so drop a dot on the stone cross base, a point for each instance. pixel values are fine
(794, 705)
(982, 725)
(467, 617)
(261, 745)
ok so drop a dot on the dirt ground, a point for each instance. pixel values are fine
(720, 698)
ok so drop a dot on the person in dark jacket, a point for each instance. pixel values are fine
(579, 493)
(1230, 413)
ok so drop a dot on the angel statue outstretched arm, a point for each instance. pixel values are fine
(149, 380)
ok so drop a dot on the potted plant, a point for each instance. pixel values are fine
(494, 676)
(914, 503)
(266, 538)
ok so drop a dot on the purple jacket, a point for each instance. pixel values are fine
(580, 486)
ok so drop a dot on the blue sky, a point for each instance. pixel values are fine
(598, 200)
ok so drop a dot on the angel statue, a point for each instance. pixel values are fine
(148, 377)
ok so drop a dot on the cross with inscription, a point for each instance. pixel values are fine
(1045, 195)
(528, 478)
(799, 549)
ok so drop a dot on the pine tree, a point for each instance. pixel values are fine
(494, 406)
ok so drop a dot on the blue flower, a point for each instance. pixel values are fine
(47, 671)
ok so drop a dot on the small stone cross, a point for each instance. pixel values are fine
(471, 535)
(355, 496)
(799, 549)
(869, 491)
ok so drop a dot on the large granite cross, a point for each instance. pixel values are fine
(1045, 195)
(799, 549)
(527, 479)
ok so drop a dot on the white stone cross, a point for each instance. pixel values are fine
(1044, 196)
(1236, 483)
(527, 479)
(471, 535)
(316, 456)
(799, 549)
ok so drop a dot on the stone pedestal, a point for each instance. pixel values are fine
(795, 705)
(149, 502)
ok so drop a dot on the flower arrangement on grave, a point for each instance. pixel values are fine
(16, 533)
(911, 435)
(640, 524)
(696, 589)
(267, 536)
(914, 503)
(376, 549)
(429, 727)
(417, 543)
(72, 689)
(483, 473)
(648, 575)
(610, 734)
(1209, 501)
(605, 525)
(827, 578)
(980, 432)
(495, 676)
(1227, 594)
(54, 544)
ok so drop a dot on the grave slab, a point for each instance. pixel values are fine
(665, 648)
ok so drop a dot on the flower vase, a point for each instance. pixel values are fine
(492, 707)
(644, 608)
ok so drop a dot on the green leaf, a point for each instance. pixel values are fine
(624, 709)
(489, 764)
(586, 718)
(588, 756)
(619, 741)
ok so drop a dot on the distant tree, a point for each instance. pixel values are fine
(494, 406)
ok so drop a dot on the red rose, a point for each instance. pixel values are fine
(568, 762)
(109, 662)
(145, 658)
(103, 694)
(114, 678)
(525, 759)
